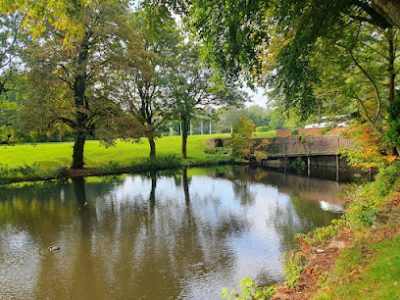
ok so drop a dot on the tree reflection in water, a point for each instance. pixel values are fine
(155, 236)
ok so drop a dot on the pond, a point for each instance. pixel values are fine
(157, 236)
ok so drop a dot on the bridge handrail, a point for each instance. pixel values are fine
(308, 146)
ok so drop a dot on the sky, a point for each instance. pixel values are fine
(257, 96)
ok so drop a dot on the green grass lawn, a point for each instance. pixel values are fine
(366, 271)
(47, 157)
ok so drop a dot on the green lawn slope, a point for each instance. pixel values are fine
(44, 159)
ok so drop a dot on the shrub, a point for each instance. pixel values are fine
(262, 129)
(366, 200)
(387, 177)
(243, 146)
(163, 162)
(62, 174)
(393, 132)
(248, 290)
(294, 263)
(242, 143)
(299, 165)
(110, 167)
(370, 149)
(322, 234)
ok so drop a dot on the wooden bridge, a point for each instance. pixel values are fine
(298, 146)
(316, 151)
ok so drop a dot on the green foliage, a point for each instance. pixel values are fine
(226, 151)
(276, 120)
(299, 164)
(259, 115)
(62, 174)
(369, 150)
(366, 200)
(303, 49)
(262, 129)
(242, 143)
(110, 167)
(163, 162)
(322, 234)
(294, 263)
(230, 41)
(367, 267)
(393, 132)
(197, 88)
(387, 179)
(145, 68)
(31, 172)
(248, 291)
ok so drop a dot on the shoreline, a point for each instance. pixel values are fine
(69, 173)
(343, 260)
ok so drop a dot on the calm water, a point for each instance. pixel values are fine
(160, 236)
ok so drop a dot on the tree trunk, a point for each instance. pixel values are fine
(185, 132)
(152, 147)
(392, 79)
(81, 104)
(152, 197)
(79, 191)
(185, 182)
(77, 156)
(392, 57)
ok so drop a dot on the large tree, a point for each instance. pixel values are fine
(242, 38)
(71, 85)
(195, 87)
(236, 34)
(10, 44)
(147, 63)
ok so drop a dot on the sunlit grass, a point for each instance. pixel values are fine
(365, 271)
(123, 154)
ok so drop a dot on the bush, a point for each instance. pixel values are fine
(163, 162)
(62, 174)
(294, 263)
(262, 129)
(366, 200)
(248, 290)
(387, 177)
(299, 165)
(322, 234)
(242, 143)
(111, 167)
(393, 132)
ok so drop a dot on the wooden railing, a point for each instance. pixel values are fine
(308, 146)
(295, 145)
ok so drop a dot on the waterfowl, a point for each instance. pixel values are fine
(53, 248)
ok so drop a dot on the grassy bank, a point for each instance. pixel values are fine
(49, 160)
(358, 256)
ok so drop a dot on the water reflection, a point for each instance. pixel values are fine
(155, 236)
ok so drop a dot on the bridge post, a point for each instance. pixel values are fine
(337, 167)
(285, 159)
(308, 160)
